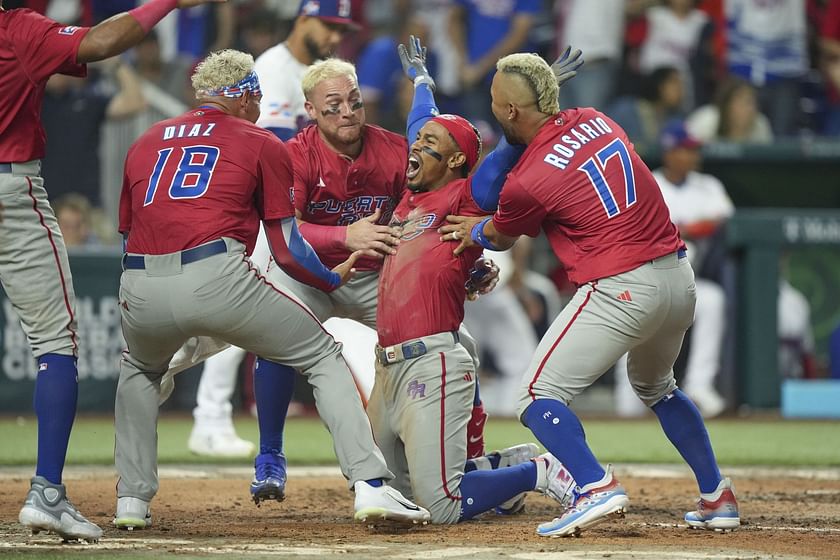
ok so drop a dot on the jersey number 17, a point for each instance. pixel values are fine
(594, 168)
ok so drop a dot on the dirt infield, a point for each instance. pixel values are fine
(791, 517)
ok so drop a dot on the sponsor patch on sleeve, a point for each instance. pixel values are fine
(69, 30)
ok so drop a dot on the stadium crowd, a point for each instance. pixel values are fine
(743, 71)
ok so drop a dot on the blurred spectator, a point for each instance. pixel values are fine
(699, 206)
(381, 75)
(829, 42)
(76, 12)
(170, 77)
(766, 45)
(74, 214)
(733, 118)
(594, 85)
(435, 14)
(483, 31)
(796, 338)
(260, 31)
(679, 35)
(73, 112)
(643, 117)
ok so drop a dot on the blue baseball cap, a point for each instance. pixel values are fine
(333, 11)
(676, 135)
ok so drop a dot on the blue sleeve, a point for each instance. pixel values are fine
(304, 261)
(282, 133)
(423, 108)
(487, 181)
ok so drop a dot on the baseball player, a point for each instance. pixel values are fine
(582, 183)
(33, 262)
(425, 378)
(348, 178)
(184, 278)
(317, 32)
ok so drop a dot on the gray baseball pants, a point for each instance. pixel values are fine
(224, 297)
(644, 312)
(419, 410)
(34, 268)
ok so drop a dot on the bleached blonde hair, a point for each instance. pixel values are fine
(325, 70)
(538, 75)
(220, 69)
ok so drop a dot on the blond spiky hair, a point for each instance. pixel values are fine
(538, 75)
(325, 70)
(220, 69)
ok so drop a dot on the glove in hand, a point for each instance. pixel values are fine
(413, 59)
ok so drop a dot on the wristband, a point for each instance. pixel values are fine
(424, 79)
(477, 235)
(149, 14)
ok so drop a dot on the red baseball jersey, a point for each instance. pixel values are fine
(201, 176)
(32, 48)
(333, 190)
(421, 287)
(582, 182)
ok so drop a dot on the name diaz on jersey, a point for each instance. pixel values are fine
(196, 130)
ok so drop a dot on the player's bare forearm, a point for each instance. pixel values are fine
(119, 33)
(111, 37)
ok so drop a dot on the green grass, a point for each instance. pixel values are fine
(736, 442)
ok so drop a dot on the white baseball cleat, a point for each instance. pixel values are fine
(386, 504)
(219, 443)
(132, 513)
(717, 511)
(47, 509)
(593, 503)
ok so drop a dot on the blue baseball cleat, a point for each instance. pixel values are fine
(269, 478)
(595, 502)
(717, 511)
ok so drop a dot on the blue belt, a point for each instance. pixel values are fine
(681, 254)
(409, 350)
(5, 167)
(138, 262)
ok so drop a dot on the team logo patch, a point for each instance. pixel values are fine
(69, 30)
(311, 8)
(416, 389)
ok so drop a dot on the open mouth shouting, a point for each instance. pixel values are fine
(414, 165)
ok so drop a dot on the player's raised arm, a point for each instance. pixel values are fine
(122, 31)
(423, 106)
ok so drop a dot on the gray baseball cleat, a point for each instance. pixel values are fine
(47, 509)
(386, 504)
(132, 513)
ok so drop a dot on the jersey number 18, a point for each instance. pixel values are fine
(191, 179)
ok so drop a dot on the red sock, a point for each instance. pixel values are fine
(475, 432)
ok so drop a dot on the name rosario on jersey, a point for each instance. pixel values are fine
(195, 131)
(578, 136)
